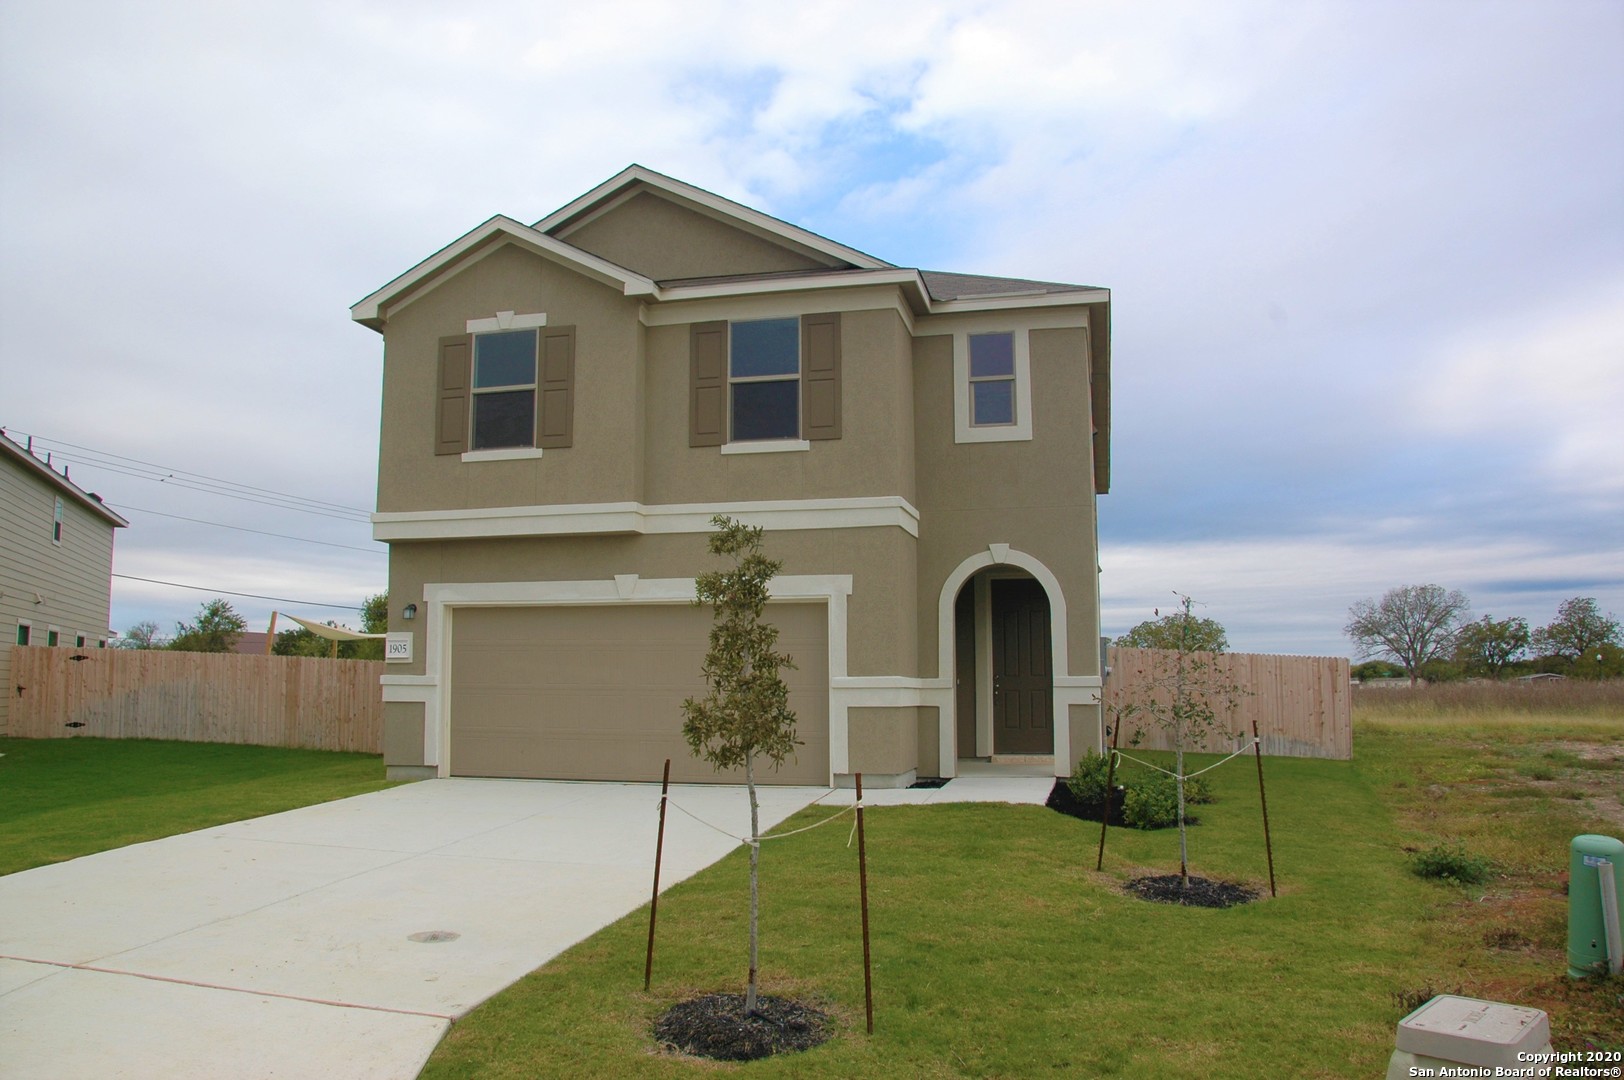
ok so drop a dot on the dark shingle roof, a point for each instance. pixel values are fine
(945, 286)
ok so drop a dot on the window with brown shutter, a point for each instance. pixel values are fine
(556, 387)
(820, 367)
(451, 419)
(707, 384)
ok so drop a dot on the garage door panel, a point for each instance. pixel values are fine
(596, 692)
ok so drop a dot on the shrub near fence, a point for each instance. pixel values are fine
(1303, 705)
(314, 703)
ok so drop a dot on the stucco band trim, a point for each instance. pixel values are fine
(631, 517)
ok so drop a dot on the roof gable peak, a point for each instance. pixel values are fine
(637, 179)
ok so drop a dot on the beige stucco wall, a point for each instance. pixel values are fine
(883, 741)
(659, 239)
(1036, 496)
(605, 462)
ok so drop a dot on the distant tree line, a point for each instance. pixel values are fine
(1425, 632)
(217, 628)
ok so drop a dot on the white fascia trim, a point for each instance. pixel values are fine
(1009, 302)
(1021, 429)
(713, 206)
(443, 598)
(777, 305)
(975, 322)
(766, 446)
(630, 517)
(369, 310)
(908, 280)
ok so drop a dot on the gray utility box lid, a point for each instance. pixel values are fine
(1474, 1032)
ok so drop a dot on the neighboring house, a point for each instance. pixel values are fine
(252, 643)
(56, 562)
(566, 405)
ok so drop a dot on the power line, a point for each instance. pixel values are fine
(122, 463)
(252, 596)
(179, 482)
(240, 528)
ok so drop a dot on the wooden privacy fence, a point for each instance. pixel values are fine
(318, 704)
(1303, 705)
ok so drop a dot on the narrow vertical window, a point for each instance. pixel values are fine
(504, 390)
(764, 379)
(79, 642)
(56, 522)
(23, 631)
(992, 379)
(50, 638)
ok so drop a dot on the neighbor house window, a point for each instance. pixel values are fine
(992, 379)
(79, 641)
(56, 523)
(23, 633)
(504, 390)
(764, 379)
(50, 638)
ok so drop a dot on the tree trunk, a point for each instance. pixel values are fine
(755, 862)
(1184, 850)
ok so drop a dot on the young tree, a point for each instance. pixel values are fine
(1580, 629)
(143, 635)
(1174, 630)
(1412, 624)
(1488, 646)
(745, 714)
(1188, 697)
(217, 628)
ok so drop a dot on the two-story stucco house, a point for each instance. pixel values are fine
(567, 404)
(56, 562)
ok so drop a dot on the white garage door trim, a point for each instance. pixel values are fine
(444, 598)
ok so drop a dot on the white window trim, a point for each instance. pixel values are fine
(506, 453)
(963, 430)
(27, 623)
(765, 446)
(57, 523)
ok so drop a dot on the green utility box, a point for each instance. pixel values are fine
(1595, 882)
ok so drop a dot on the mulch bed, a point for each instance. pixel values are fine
(1062, 800)
(1166, 889)
(715, 1026)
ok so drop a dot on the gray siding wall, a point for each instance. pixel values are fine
(72, 580)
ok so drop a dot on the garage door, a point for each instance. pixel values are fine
(595, 693)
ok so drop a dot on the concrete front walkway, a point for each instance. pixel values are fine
(340, 940)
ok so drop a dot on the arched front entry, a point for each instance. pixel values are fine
(1029, 601)
(1003, 671)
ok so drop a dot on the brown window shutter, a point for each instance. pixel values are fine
(820, 376)
(707, 384)
(555, 384)
(451, 417)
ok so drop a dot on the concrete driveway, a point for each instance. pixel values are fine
(336, 941)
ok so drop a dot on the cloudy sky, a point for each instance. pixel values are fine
(1367, 258)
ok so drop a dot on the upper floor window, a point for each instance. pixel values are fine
(764, 384)
(764, 379)
(24, 633)
(56, 522)
(504, 390)
(992, 379)
(992, 386)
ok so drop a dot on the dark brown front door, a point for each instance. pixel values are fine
(1022, 683)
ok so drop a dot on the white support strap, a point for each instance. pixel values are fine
(1198, 772)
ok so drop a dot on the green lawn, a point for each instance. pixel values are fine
(62, 798)
(999, 952)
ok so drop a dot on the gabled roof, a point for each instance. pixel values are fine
(635, 179)
(927, 291)
(29, 463)
(369, 309)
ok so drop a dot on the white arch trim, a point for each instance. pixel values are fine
(1069, 689)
